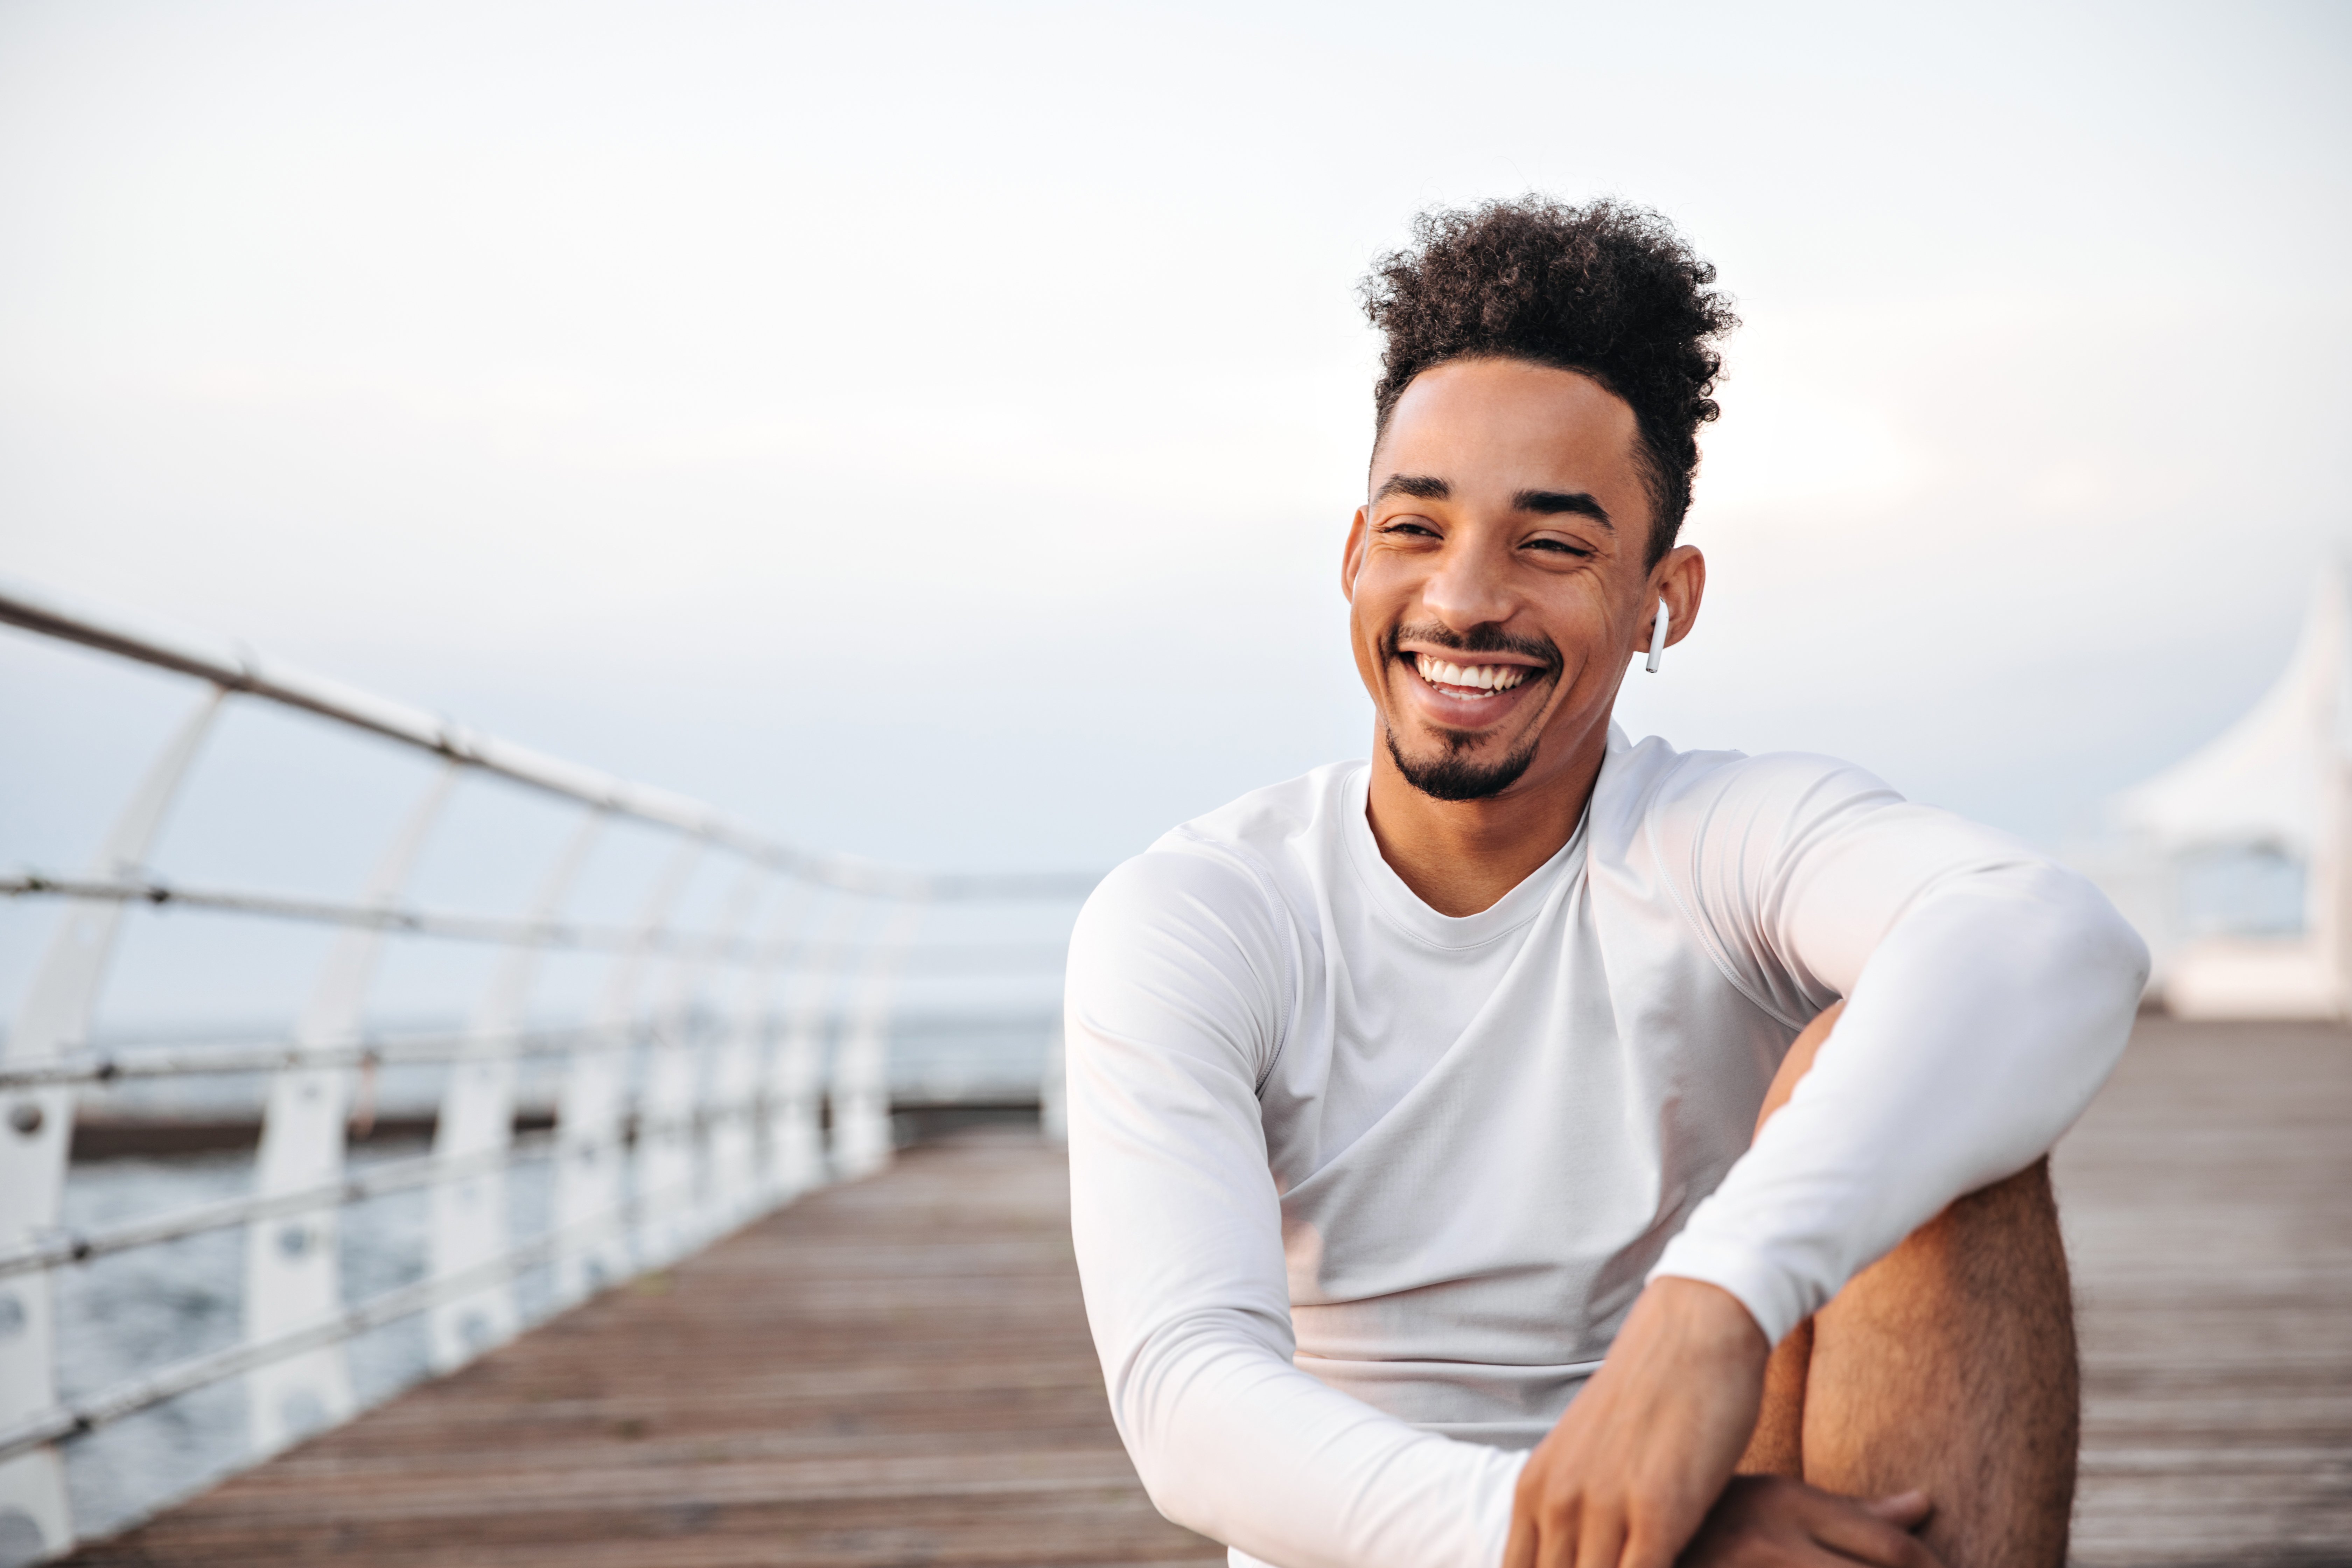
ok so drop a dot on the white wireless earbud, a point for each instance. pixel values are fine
(1658, 635)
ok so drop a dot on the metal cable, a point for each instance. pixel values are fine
(393, 1176)
(937, 958)
(124, 1065)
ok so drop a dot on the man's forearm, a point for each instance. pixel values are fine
(1246, 1448)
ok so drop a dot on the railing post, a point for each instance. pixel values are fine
(862, 1144)
(668, 1220)
(35, 1137)
(292, 1266)
(796, 1067)
(469, 1215)
(1052, 1091)
(736, 1094)
(590, 1116)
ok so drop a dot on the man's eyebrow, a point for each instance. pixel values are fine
(1555, 502)
(1421, 486)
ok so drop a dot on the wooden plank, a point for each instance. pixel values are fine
(898, 1371)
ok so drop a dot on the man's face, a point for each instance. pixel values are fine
(1498, 577)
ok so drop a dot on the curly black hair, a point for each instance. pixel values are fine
(1606, 289)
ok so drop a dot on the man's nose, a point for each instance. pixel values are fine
(1468, 588)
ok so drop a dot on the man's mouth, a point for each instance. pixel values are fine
(1469, 683)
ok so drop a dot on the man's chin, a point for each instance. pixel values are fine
(1458, 773)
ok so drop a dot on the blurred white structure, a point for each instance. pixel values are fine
(2273, 783)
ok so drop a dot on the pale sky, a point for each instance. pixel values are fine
(930, 430)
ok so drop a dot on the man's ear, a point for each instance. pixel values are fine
(1351, 559)
(1681, 580)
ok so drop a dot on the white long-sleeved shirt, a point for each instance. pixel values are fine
(1361, 1192)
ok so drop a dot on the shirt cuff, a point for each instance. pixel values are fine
(1494, 1529)
(1775, 1301)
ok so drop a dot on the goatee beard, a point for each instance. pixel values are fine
(1456, 777)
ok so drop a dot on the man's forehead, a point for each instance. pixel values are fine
(1487, 425)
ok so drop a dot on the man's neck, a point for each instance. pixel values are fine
(1461, 855)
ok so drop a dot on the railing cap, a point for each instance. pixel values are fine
(236, 668)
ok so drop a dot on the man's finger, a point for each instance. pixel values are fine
(1519, 1552)
(1910, 1510)
(1598, 1540)
(1644, 1550)
(1849, 1529)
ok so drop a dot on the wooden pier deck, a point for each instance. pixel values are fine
(898, 1372)
(2207, 1204)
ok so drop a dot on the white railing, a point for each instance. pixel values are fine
(678, 1114)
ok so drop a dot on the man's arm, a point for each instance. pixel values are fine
(1181, 977)
(1994, 990)
(1988, 992)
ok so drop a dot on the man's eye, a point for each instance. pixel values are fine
(1559, 546)
(1408, 526)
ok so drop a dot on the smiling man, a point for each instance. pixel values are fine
(1535, 1148)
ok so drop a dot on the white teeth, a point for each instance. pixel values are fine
(1476, 677)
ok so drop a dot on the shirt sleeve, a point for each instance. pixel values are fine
(1989, 992)
(1181, 977)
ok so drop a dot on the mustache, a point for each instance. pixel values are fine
(1487, 637)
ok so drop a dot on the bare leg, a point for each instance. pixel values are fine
(1948, 1366)
(1777, 1448)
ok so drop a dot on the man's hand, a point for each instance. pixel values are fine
(1762, 1519)
(1626, 1479)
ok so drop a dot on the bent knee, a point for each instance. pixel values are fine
(2002, 1241)
(1798, 1062)
(2025, 1199)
